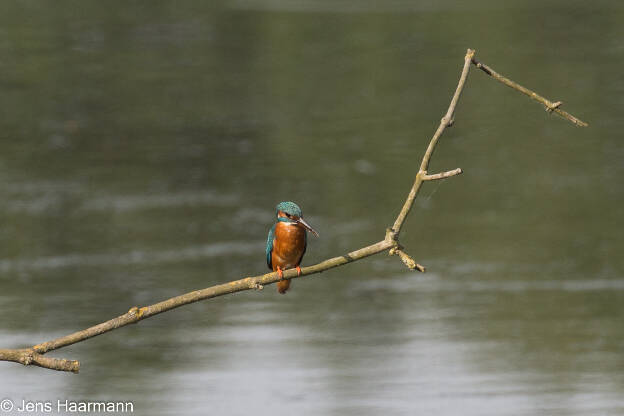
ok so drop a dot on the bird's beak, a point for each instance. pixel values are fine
(307, 226)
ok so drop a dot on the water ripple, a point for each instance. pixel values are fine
(46, 201)
(131, 258)
(435, 284)
(164, 200)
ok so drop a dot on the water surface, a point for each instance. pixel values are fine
(145, 145)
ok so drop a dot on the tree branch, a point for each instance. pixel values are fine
(34, 355)
(27, 356)
(445, 122)
(442, 175)
(550, 106)
(406, 259)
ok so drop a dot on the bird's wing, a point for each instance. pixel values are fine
(305, 246)
(269, 246)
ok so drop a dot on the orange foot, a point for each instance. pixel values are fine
(280, 273)
(298, 270)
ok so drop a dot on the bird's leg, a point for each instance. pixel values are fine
(298, 270)
(280, 273)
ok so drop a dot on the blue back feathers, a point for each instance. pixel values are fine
(269, 246)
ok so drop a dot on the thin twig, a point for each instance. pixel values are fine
(442, 175)
(406, 259)
(549, 105)
(34, 355)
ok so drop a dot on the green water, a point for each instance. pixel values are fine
(144, 146)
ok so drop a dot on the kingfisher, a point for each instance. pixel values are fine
(287, 242)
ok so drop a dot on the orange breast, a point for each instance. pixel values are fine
(288, 246)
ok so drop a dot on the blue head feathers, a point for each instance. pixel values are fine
(289, 208)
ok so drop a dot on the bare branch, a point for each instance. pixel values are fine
(442, 175)
(27, 356)
(446, 121)
(550, 106)
(407, 260)
(136, 314)
(34, 355)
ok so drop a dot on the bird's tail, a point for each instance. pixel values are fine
(282, 286)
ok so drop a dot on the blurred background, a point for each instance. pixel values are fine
(145, 144)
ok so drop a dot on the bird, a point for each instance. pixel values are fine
(287, 241)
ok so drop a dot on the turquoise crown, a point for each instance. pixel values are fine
(289, 208)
